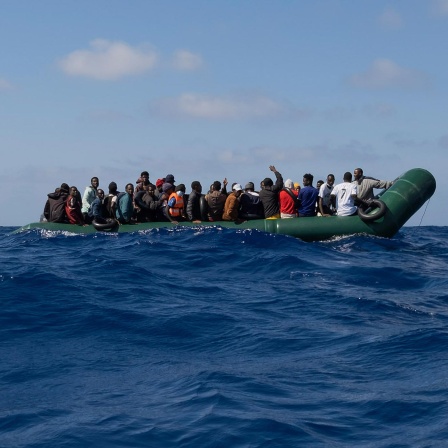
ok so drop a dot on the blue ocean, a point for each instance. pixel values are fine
(220, 338)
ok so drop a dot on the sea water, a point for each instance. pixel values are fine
(222, 338)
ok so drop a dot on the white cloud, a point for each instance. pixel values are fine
(5, 85)
(391, 19)
(186, 61)
(106, 60)
(385, 73)
(192, 105)
(440, 7)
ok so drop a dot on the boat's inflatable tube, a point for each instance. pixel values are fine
(375, 204)
(407, 194)
(110, 224)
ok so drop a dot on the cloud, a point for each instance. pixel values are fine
(391, 19)
(184, 60)
(385, 73)
(234, 107)
(106, 60)
(5, 85)
(440, 7)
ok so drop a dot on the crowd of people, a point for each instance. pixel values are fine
(166, 201)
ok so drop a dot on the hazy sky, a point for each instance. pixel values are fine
(214, 89)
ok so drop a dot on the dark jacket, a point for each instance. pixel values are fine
(55, 207)
(251, 206)
(269, 197)
(96, 209)
(215, 201)
(194, 206)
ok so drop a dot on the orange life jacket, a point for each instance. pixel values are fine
(176, 210)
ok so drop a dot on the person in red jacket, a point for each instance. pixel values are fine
(73, 208)
(288, 199)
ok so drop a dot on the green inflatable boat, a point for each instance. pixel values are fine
(389, 212)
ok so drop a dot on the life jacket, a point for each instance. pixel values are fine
(176, 209)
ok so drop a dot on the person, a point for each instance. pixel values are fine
(54, 210)
(324, 202)
(141, 208)
(344, 195)
(365, 185)
(251, 206)
(269, 195)
(96, 208)
(151, 206)
(73, 208)
(232, 204)
(289, 201)
(194, 202)
(88, 197)
(109, 200)
(216, 200)
(44, 216)
(169, 179)
(159, 185)
(175, 207)
(307, 197)
(167, 190)
(141, 182)
(124, 205)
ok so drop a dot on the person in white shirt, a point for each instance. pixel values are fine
(344, 195)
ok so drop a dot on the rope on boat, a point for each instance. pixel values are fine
(424, 212)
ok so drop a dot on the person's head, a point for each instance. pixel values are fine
(167, 188)
(289, 184)
(112, 188)
(296, 186)
(150, 189)
(307, 179)
(237, 190)
(144, 176)
(357, 173)
(348, 176)
(170, 179)
(65, 189)
(319, 183)
(196, 186)
(73, 191)
(249, 186)
(100, 193)
(94, 182)
(180, 190)
(129, 189)
(266, 183)
(159, 184)
(330, 179)
(216, 185)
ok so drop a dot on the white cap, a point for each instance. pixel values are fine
(237, 187)
(289, 183)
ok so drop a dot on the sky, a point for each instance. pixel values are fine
(208, 90)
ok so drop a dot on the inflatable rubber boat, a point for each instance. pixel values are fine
(390, 210)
